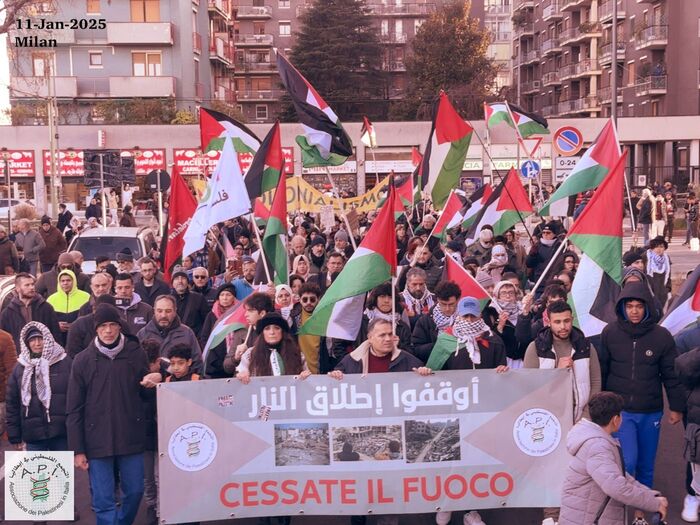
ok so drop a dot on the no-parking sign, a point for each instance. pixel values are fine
(568, 141)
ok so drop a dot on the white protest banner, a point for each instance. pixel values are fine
(382, 444)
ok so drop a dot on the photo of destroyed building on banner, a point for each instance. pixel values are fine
(367, 443)
(432, 440)
(301, 444)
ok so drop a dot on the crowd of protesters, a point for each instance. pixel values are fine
(80, 355)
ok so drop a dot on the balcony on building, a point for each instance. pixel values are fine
(587, 67)
(524, 30)
(249, 66)
(519, 5)
(605, 95)
(605, 53)
(254, 40)
(551, 78)
(567, 71)
(128, 33)
(530, 58)
(393, 38)
(225, 94)
(579, 105)
(552, 11)
(35, 87)
(652, 37)
(250, 12)
(605, 11)
(494, 10)
(653, 86)
(221, 50)
(585, 31)
(152, 86)
(259, 95)
(93, 87)
(549, 111)
(550, 47)
(574, 5)
(402, 10)
(220, 7)
(530, 87)
(61, 36)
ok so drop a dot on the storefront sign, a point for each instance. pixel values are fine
(147, 160)
(21, 163)
(70, 163)
(392, 443)
(349, 166)
(192, 162)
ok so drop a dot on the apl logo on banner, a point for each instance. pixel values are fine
(39, 486)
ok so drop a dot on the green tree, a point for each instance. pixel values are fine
(449, 53)
(338, 51)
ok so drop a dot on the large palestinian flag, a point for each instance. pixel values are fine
(469, 286)
(477, 201)
(444, 347)
(215, 127)
(445, 152)
(598, 234)
(449, 216)
(273, 242)
(685, 310)
(339, 312)
(528, 123)
(507, 206)
(403, 195)
(229, 322)
(588, 173)
(268, 163)
(326, 143)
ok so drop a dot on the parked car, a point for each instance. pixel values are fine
(111, 241)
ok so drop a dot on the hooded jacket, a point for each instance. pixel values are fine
(688, 370)
(636, 359)
(47, 283)
(67, 305)
(138, 314)
(596, 472)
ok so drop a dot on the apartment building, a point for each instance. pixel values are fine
(137, 48)
(497, 19)
(262, 25)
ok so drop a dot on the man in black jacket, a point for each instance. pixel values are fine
(82, 331)
(636, 357)
(105, 416)
(191, 306)
(150, 286)
(25, 306)
(440, 317)
(541, 253)
(202, 285)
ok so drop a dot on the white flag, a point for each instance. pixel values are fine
(225, 198)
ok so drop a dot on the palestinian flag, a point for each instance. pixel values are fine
(416, 156)
(444, 347)
(339, 312)
(507, 205)
(273, 242)
(456, 273)
(685, 310)
(267, 165)
(231, 321)
(182, 206)
(260, 212)
(448, 215)
(478, 199)
(326, 143)
(528, 123)
(367, 134)
(588, 173)
(417, 161)
(403, 195)
(598, 234)
(445, 152)
(215, 127)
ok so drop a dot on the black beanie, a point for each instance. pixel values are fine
(228, 287)
(31, 334)
(106, 313)
(272, 318)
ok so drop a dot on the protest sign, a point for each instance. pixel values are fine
(383, 444)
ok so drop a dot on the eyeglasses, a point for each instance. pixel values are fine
(308, 300)
(200, 276)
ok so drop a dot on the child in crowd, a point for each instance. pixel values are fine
(180, 357)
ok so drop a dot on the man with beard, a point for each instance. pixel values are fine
(416, 297)
(424, 259)
(166, 328)
(317, 255)
(191, 306)
(313, 347)
(150, 285)
(136, 312)
(334, 265)
(244, 284)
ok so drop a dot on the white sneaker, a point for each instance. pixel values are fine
(549, 521)
(473, 518)
(443, 518)
(690, 509)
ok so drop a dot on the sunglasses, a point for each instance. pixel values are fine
(308, 300)
(200, 276)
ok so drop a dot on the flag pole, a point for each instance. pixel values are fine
(260, 245)
(549, 265)
(521, 141)
(415, 253)
(340, 208)
(393, 305)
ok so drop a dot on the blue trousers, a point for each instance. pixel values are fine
(639, 438)
(102, 478)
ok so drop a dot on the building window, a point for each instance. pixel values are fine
(258, 28)
(417, 24)
(239, 108)
(261, 112)
(285, 29)
(631, 74)
(284, 4)
(145, 10)
(95, 59)
(146, 64)
(92, 7)
(40, 64)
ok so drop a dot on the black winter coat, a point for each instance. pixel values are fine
(12, 320)
(424, 336)
(537, 260)
(688, 370)
(30, 424)
(192, 309)
(636, 359)
(105, 402)
(149, 294)
(493, 354)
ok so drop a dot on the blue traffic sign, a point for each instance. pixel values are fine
(530, 169)
(567, 140)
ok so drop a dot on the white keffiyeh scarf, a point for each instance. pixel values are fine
(421, 305)
(442, 321)
(466, 333)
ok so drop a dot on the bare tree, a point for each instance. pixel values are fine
(10, 10)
